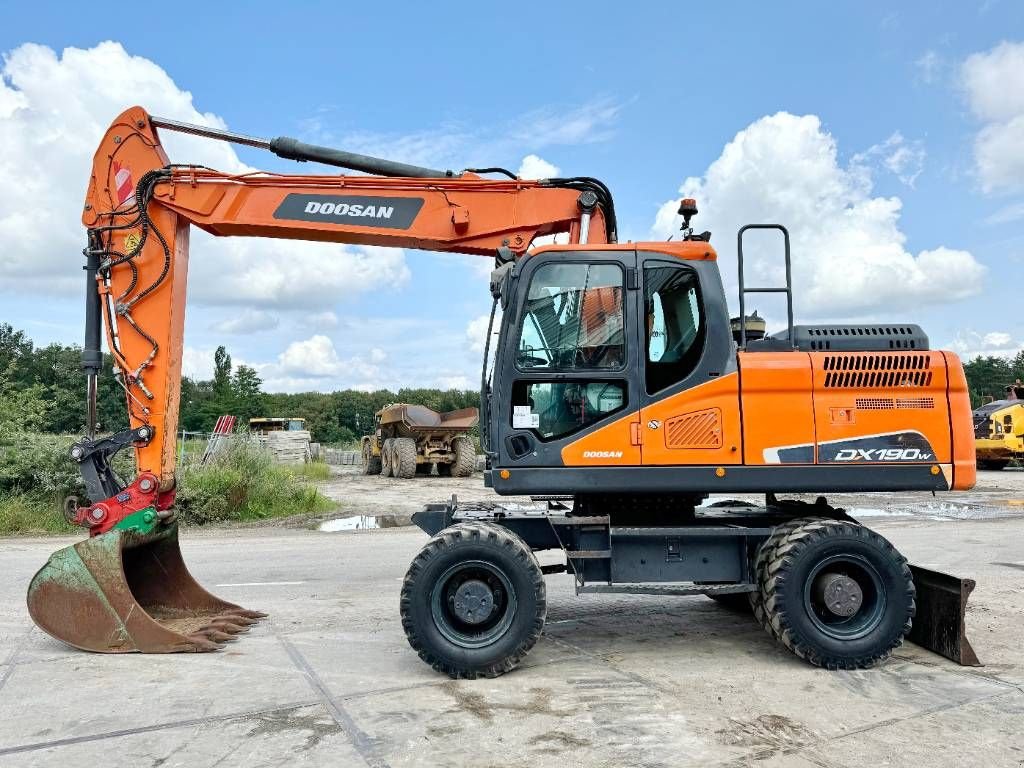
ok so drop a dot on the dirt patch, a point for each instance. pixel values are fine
(775, 731)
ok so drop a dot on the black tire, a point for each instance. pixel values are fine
(464, 556)
(793, 567)
(404, 461)
(993, 464)
(371, 463)
(465, 457)
(386, 458)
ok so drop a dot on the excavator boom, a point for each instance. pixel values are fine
(126, 588)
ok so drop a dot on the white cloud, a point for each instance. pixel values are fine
(849, 254)
(321, 321)
(288, 274)
(970, 344)
(313, 357)
(903, 158)
(533, 167)
(476, 332)
(930, 66)
(456, 145)
(53, 112)
(994, 84)
(247, 321)
(1007, 214)
(197, 363)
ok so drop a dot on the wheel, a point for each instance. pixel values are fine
(386, 457)
(835, 593)
(371, 463)
(404, 461)
(993, 464)
(473, 601)
(465, 457)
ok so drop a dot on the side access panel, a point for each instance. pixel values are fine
(881, 407)
(778, 407)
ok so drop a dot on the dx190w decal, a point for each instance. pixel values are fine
(892, 447)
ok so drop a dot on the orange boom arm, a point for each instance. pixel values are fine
(139, 207)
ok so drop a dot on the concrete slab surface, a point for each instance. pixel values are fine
(640, 681)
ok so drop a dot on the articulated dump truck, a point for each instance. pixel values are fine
(409, 439)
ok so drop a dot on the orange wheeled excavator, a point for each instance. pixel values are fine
(617, 396)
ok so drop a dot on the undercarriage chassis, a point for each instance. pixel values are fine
(836, 593)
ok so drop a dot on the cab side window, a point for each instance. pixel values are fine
(675, 325)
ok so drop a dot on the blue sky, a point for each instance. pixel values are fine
(919, 103)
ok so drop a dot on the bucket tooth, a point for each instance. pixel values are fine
(252, 614)
(129, 591)
(227, 626)
(204, 645)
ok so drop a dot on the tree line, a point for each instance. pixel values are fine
(42, 390)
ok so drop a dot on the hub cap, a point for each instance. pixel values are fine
(844, 596)
(473, 603)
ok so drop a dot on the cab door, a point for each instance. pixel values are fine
(570, 358)
(689, 397)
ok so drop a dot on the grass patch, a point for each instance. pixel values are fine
(311, 470)
(32, 513)
(242, 483)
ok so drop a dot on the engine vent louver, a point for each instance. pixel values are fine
(701, 429)
(890, 404)
(877, 371)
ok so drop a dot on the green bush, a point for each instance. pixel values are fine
(241, 483)
(36, 463)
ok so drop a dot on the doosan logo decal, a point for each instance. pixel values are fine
(344, 209)
(378, 211)
(602, 454)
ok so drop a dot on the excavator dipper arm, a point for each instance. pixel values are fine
(126, 588)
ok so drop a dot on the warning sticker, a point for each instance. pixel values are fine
(524, 418)
(131, 242)
(124, 187)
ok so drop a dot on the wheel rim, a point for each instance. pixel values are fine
(844, 596)
(473, 603)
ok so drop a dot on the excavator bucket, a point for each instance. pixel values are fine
(129, 590)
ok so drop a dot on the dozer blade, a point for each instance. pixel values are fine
(940, 623)
(129, 590)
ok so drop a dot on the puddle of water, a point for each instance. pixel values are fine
(356, 523)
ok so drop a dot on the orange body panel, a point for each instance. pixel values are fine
(700, 425)
(778, 409)
(965, 467)
(610, 446)
(688, 250)
(874, 393)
